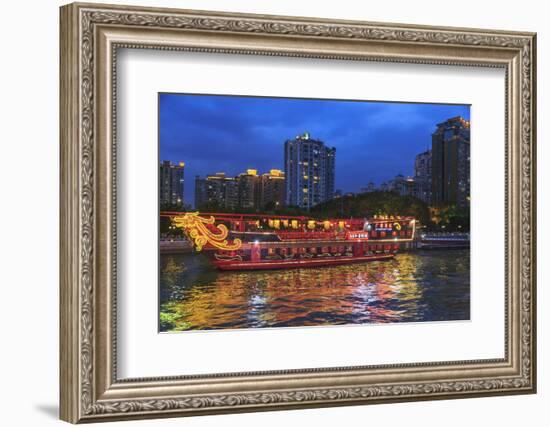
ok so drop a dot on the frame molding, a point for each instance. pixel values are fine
(90, 37)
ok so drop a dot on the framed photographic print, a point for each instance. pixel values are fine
(265, 212)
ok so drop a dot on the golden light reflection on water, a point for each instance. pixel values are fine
(411, 287)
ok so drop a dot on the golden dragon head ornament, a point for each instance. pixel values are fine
(196, 227)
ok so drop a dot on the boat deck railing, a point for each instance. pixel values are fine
(311, 235)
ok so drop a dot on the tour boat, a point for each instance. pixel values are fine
(264, 242)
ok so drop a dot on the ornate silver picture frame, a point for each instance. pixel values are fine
(91, 36)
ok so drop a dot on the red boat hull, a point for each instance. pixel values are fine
(234, 265)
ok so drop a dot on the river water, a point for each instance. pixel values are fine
(413, 287)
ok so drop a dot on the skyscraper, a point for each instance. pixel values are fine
(201, 192)
(171, 184)
(246, 191)
(404, 186)
(423, 176)
(216, 191)
(451, 163)
(273, 189)
(309, 171)
(249, 186)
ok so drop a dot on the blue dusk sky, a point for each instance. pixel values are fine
(374, 140)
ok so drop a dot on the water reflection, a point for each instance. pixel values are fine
(415, 286)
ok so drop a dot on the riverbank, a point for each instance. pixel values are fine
(175, 246)
(440, 240)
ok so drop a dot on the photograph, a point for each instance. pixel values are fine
(292, 212)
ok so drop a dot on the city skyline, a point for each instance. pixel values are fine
(217, 133)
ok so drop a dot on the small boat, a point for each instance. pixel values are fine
(263, 242)
(444, 241)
